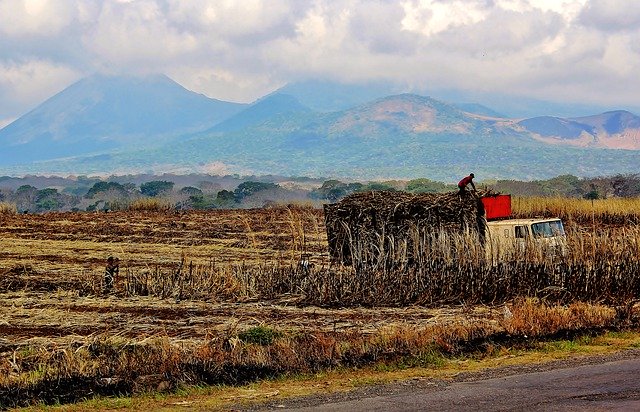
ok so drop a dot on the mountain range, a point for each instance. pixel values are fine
(112, 123)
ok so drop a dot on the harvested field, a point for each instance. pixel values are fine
(190, 284)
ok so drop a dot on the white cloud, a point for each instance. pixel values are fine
(29, 83)
(611, 15)
(240, 50)
(431, 17)
(35, 17)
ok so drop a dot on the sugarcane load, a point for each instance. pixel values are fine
(393, 229)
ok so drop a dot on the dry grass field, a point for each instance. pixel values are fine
(233, 295)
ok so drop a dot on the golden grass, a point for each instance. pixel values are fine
(187, 320)
(339, 380)
(434, 351)
(150, 205)
(7, 208)
(569, 209)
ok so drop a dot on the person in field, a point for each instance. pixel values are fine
(111, 271)
(468, 180)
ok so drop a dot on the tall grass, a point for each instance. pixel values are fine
(453, 270)
(106, 365)
(150, 205)
(7, 208)
(618, 211)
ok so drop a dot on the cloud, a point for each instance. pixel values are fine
(35, 17)
(611, 15)
(556, 49)
(29, 83)
(379, 26)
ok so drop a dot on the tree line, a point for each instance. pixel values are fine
(113, 195)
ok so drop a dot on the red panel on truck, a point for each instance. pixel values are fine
(496, 207)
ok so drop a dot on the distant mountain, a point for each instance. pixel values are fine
(106, 112)
(549, 126)
(611, 123)
(328, 96)
(133, 125)
(270, 107)
(479, 109)
(400, 114)
(615, 130)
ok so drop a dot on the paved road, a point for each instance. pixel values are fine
(610, 386)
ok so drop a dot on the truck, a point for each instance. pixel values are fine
(394, 229)
(503, 233)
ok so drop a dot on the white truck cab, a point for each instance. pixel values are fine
(546, 235)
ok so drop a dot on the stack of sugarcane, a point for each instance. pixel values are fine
(393, 228)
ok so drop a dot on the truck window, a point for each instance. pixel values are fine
(521, 232)
(548, 229)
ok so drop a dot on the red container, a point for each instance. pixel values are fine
(497, 207)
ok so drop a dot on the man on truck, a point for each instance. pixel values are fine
(468, 180)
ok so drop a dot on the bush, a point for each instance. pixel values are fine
(259, 335)
(7, 208)
(150, 205)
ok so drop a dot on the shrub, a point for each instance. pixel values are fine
(150, 205)
(7, 208)
(259, 335)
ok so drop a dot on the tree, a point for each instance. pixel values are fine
(103, 188)
(333, 190)
(225, 199)
(48, 199)
(156, 188)
(427, 186)
(376, 187)
(25, 198)
(249, 188)
(626, 185)
(190, 191)
(564, 185)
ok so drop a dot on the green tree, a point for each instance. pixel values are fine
(333, 190)
(249, 188)
(156, 188)
(427, 186)
(563, 185)
(111, 188)
(190, 191)
(25, 198)
(376, 187)
(50, 199)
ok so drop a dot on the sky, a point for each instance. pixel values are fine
(574, 51)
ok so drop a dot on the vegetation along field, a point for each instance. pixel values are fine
(230, 296)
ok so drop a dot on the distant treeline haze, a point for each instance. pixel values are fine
(206, 192)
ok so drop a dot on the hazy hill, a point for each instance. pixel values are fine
(479, 109)
(615, 130)
(133, 125)
(549, 126)
(328, 96)
(393, 137)
(274, 105)
(107, 112)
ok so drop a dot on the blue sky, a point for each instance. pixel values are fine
(574, 51)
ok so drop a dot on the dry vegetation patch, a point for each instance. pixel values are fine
(230, 296)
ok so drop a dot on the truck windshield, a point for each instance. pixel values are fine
(548, 229)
